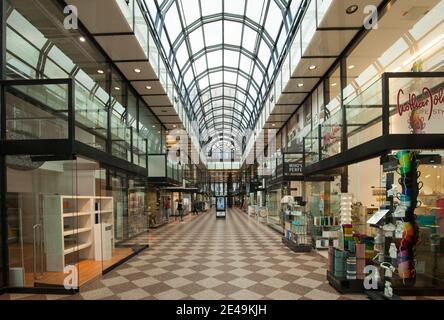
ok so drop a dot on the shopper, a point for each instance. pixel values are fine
(167, 207)
(180, 209)
(195, 208)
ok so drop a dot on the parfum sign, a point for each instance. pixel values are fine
(427, 99)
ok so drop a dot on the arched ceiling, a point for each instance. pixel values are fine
(223, 54)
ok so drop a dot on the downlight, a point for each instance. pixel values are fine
(352, 9)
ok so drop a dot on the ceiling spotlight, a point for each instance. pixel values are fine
(352, 9)
(149, 87)
(300, 85)
(154, 126)
(100, 71)
(174, 126)
(82, 39)
(312, 67)
(158, 132)
(334, 84)
(117, 88)
(273, 124)
(351, 66)
(137, 70)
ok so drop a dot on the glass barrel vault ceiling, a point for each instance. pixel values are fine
(223, 55)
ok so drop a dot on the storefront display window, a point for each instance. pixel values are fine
(63, 219)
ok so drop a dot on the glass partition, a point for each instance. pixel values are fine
(331, 131)
(364, 115)
(311, 147)
(36, 111)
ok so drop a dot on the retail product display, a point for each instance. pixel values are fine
(77, 228)
(346, 208)
(297, 230)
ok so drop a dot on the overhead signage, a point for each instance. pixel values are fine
(292, 168)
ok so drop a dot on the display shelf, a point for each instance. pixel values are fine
(75, 231)
(75, 248)
(78, 214)
(75, 216)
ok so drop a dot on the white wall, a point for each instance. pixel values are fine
(362, 176)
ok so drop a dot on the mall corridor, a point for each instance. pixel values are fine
(206, 258)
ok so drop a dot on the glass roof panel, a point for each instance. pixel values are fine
(213, 33)
(255, 10)
(210, 7)
(190, 10)
(235, 34)
(231, 43)
(235, 6)
(196, 40)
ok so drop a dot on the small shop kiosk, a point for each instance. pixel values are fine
(221, 207)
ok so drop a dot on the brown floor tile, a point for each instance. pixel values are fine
(261, 289)
(226, 289)
(297, 289)
(157, 288)
(225, 277)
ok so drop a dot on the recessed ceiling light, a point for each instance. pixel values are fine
(351, 66)
(116, 88)
(149, 87)
(334, 84)
(174, 126)
(82, 39)
(312, 67)
(300, 85)
(154, 126)
(352, 9)
(273, 124)
(100, 71)
(137, 70)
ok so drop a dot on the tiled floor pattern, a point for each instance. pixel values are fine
(205, 258)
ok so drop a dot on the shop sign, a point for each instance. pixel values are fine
(428, 99)
(421, 113)
(293, 168)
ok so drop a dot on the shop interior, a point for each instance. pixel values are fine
(63, 213)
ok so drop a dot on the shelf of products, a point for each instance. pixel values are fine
(76, 224)
(297, 226)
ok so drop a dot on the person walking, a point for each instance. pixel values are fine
(167, 207)
(180, 209)
(195, 208)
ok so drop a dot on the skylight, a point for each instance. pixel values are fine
(225, 51)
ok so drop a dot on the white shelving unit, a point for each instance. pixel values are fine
(72, 226)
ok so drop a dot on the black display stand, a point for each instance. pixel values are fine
(345, 286)
(296, 247)
(379, 295)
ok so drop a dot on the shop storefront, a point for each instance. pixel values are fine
(384, 131)
(75, 139)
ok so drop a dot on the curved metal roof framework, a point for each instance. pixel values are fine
(223, 54)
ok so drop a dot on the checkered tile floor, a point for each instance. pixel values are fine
(208, 259)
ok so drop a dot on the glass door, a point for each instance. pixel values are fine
(43, 222)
